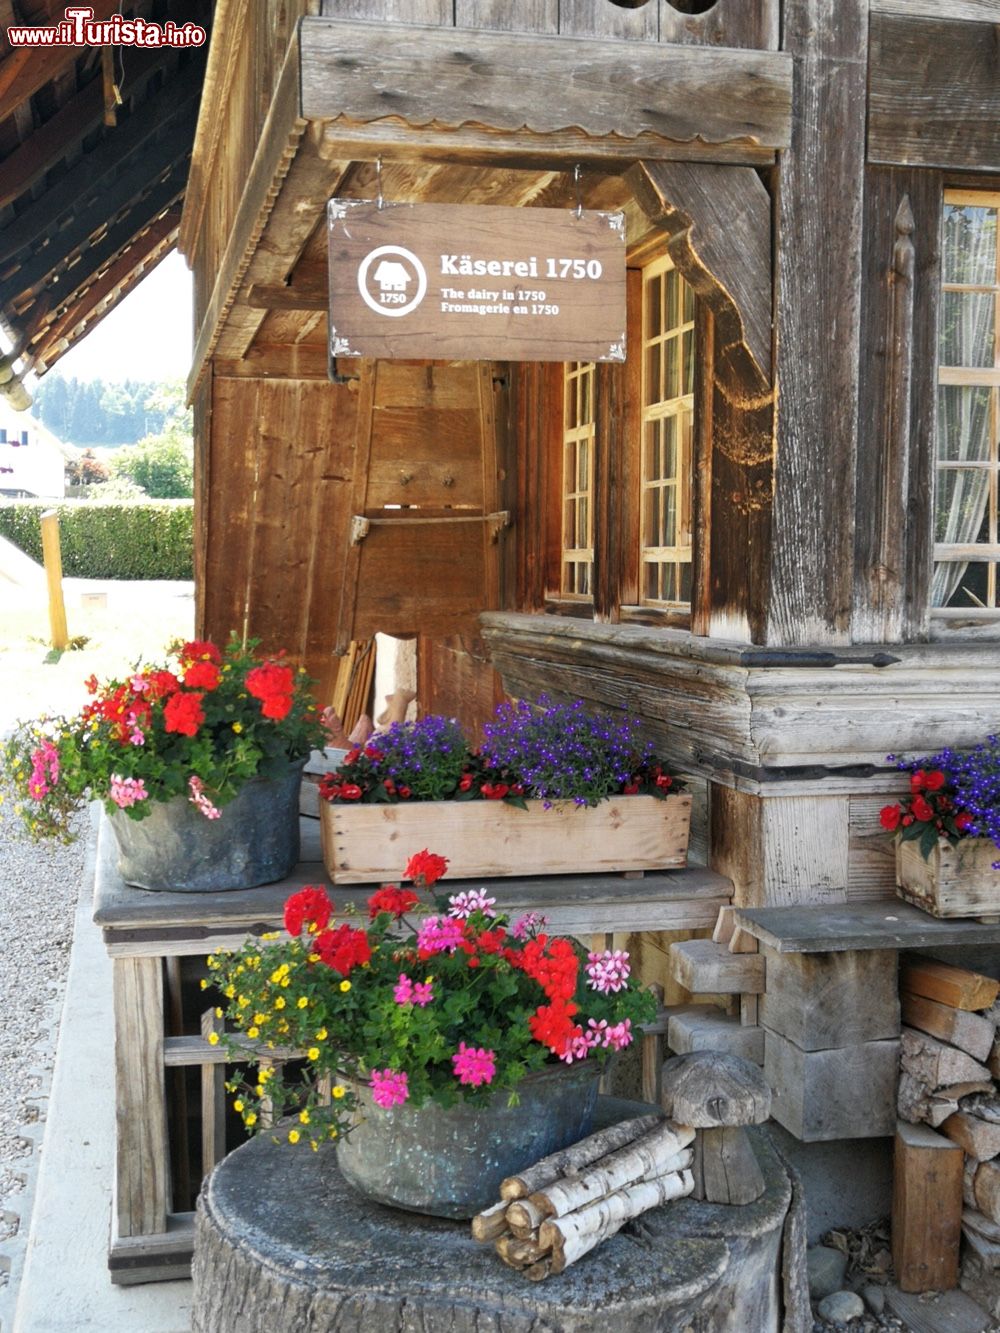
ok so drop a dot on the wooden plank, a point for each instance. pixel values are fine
(819, 227)
(888, 925)
(141, 1173)
(595, 18)
(392, 11)
(363, 844)
(936, 1064)
(926, 1209)
(952, 1312)
(934, 98)
(820, 1001)
(973, 11)
(705, 1028)
(955, 986)
(954, 880)
(501, 15)
(848, 1093)
(969, 1032)
(704, 967)
(213, 1099)
(757, 25)
(606, 87)
(718, 223)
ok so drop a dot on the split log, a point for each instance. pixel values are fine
(521, 1253)
(936, 1064)
(974, 1220)
(926, 1209)
(984, 1103)
(971, 1033)
(658, 1152)
(986, 1188)
(488, 1225)
(954, 986)
(916, 1102)
(570, 1161)
(993, 1063)
(577, 1234)
(523, 1216)
(978, 1138)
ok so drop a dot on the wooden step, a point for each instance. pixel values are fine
(707, 968)
(703, 1027)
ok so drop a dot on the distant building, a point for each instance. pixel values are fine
(32, 460)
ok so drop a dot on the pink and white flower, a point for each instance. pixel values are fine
(608, 971)
(529, 924)
(127, 791)
(439, 934)
(198, 798)
(390, 1087)
(473, 900)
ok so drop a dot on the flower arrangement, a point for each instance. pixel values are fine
(549, 752)
(953, 795)
(425, 1006)
(200, 726)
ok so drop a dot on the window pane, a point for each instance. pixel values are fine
(973, 585)
(670, 427)
(687, 313)
(687, 352)
(960, 504)
(583, 466)
(653, 376)
(652, 297)
(668, 532)
(969, 251)
(963, 423)
(672, 384)
(586, 382)
(968, 329)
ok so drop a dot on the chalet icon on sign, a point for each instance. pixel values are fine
(392, 277)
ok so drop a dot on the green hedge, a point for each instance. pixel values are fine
(149, 539)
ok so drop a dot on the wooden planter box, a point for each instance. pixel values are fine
(490, 840)
(955, 881)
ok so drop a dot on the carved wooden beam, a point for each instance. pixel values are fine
(516, 82)
(718, 220)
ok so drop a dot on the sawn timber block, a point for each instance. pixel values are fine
(926, 1209)
(707, 968)
(825, 1000)
(846, 1093)
(703, 1027)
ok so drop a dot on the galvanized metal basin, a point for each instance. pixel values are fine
(449, 1161)
(254, 841)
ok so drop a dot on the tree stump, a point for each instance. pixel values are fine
(283, 1242)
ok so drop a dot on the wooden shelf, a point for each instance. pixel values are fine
(883, 925)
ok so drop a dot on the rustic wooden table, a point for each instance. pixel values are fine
(147, 935)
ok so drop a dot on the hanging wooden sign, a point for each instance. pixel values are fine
(441, 282)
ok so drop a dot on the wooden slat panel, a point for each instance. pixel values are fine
(457, 679)
(24, 71)
(753, 23)
(818, 305)
(597, 18)
(982, 11)
(605, 87)
(503, 16)
(935, 95)
(426, 456)
(391, 11)
(141, 1175)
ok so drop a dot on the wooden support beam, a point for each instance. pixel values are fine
(280, 296)
(706, 968)
(142, 1172)
(718, 223)
(926, 1209)
(605, 87)
(29, 68)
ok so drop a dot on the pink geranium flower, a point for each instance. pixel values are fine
(390, 1087)
(474, 1065)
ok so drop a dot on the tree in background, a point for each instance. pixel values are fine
(95, 412)
(163, 465)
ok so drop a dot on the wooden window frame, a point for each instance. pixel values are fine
(579, 382)
(987, 553)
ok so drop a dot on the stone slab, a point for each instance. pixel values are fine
(849, 1093)
(879, 925)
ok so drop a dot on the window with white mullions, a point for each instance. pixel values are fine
(579, 430)
(967, 479)
(667, 409)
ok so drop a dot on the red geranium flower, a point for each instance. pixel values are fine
(183, 713)
(495, 791)
(350, 791)
(921, 809)
(276, 706)
(663, 782)
(425, 867)
(343, 949)
(391, 899)
(162, 683)
(200, 650)
(311, 907)
(202, 676)
(918, 780)
(553, 1026)
(963, 820)
(934, 781)
(465, 782)
(890, 816)
(265, 681)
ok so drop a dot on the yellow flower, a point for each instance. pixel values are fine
(314, 1145)
(211, 960)
(259, 1090)
(277, 974)
(260, 1018)
(218, 1012)
(314, 958)
(304, 1117)
(303, 1002)
(279, 1002)
(237, 727)
(333, 1131)
(243, 1002)
(266, 1072)
(339, 1091)
(293, 1136)
(270, 935)
(204, 984)
(238, 1104)
(213, 1039)
(229, 992)
(312, 1053)
(250, 1120)
(286, 981)
(322, 1034)
(345, 986)
(253, 1032)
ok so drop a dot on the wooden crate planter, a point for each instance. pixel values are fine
(489, 840)
(955, 881)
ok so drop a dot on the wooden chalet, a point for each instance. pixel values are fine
(95, 145)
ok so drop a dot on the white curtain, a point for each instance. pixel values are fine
(966, 338)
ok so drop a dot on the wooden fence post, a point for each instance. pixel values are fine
(53, 575)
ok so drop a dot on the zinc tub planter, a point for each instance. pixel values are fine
(491, 840)
(956, 880)
(449, 1161)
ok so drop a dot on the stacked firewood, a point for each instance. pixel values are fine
(950, 1071)
(556, 1211)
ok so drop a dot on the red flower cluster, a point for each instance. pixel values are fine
(122, 709)
(200, 650)
(343, 949)
(310, 907)
(183, 713)
(202, 676)
(931, 804)
(554, 965)
(425, 868)
(391, 899)
(331, 787)
(273, 684)
(553, 1026)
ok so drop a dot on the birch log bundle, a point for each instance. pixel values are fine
(562, 1207)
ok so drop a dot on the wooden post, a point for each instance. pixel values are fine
(926, 1209)
(53, 575)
